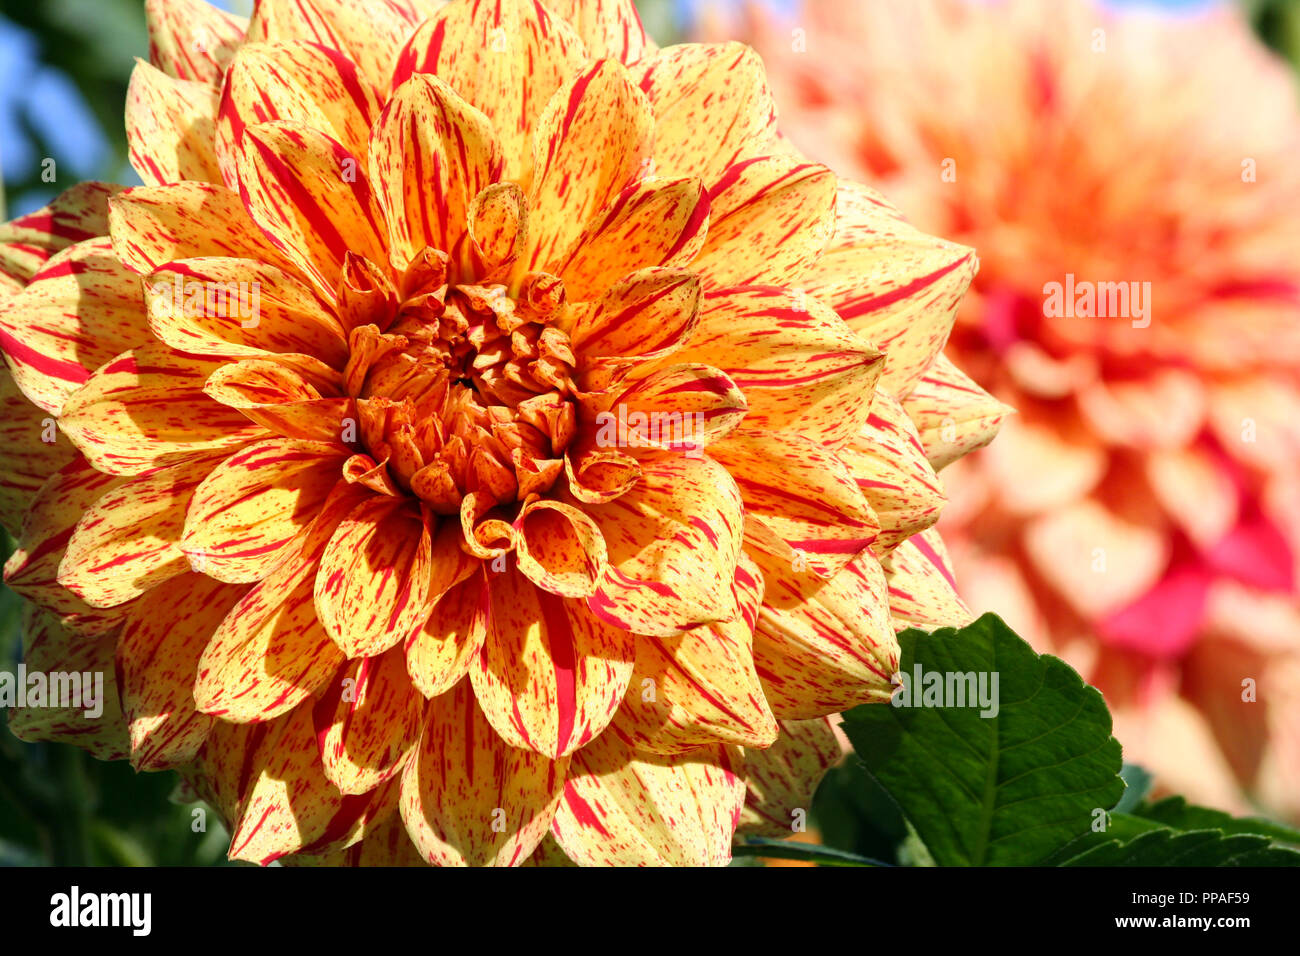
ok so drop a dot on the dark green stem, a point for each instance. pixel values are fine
(69, 828)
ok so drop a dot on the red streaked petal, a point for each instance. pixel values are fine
(674, 540)
(301, 83)
(368, 721)
(311, 198)
(170, 125)
(192, 39)
(80, 309)
(506, 57)
(371, 586)
(468, 798)
(550, 674)
(625, 808)
(431, 154)
(255, 503)
(157, 657)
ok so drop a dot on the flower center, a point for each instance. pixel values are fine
(462, 388)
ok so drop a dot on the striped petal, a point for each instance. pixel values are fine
(559, 548)
(889, 463)
(922, 588)
(498, 230)
(33, 569)
(803, 492)
(625, 808)
(146, 408)
(953, 415)
(157, 657)
(370, 34)
(192, 39)
(592, 142)
(648, 313)
(712, 107)
(468, 798)
(300, 83)
(802, 370)
(598, 475)
(170, 127)
(550, 675)
(368, 721)
(769, 220)
(154, 225)
(822, 646)
(94, 722)
(251, 506)
(386, 843)
(439, 654)
(240, 308)
(284, 398)
(371, 586)
(684, 407)
(656, 222)
(781, 780)
(700, 688)
(34, 450)
(449, 564)
(271, 652)
(610, 29)
(128, 541)
(311, 198)
(506, 57)
(270, 782)
(358, 816)
(431, 155)
(82, 308)
(75, 215)
(892, 283)
(673, 540)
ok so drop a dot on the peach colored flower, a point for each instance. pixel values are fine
(485, 434)
(1142, 514)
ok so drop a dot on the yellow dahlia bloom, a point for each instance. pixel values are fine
(479, 427)
(1142, 513)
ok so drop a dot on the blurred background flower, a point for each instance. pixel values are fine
(1141, 516)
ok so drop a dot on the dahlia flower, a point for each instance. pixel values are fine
(1141, 514)
(480, 441)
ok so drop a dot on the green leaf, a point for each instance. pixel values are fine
(1176, 813)
(118, 848)
(852, 812)
(1004, 789)
(1120, 828)
(806, 852)
(1164, 847)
